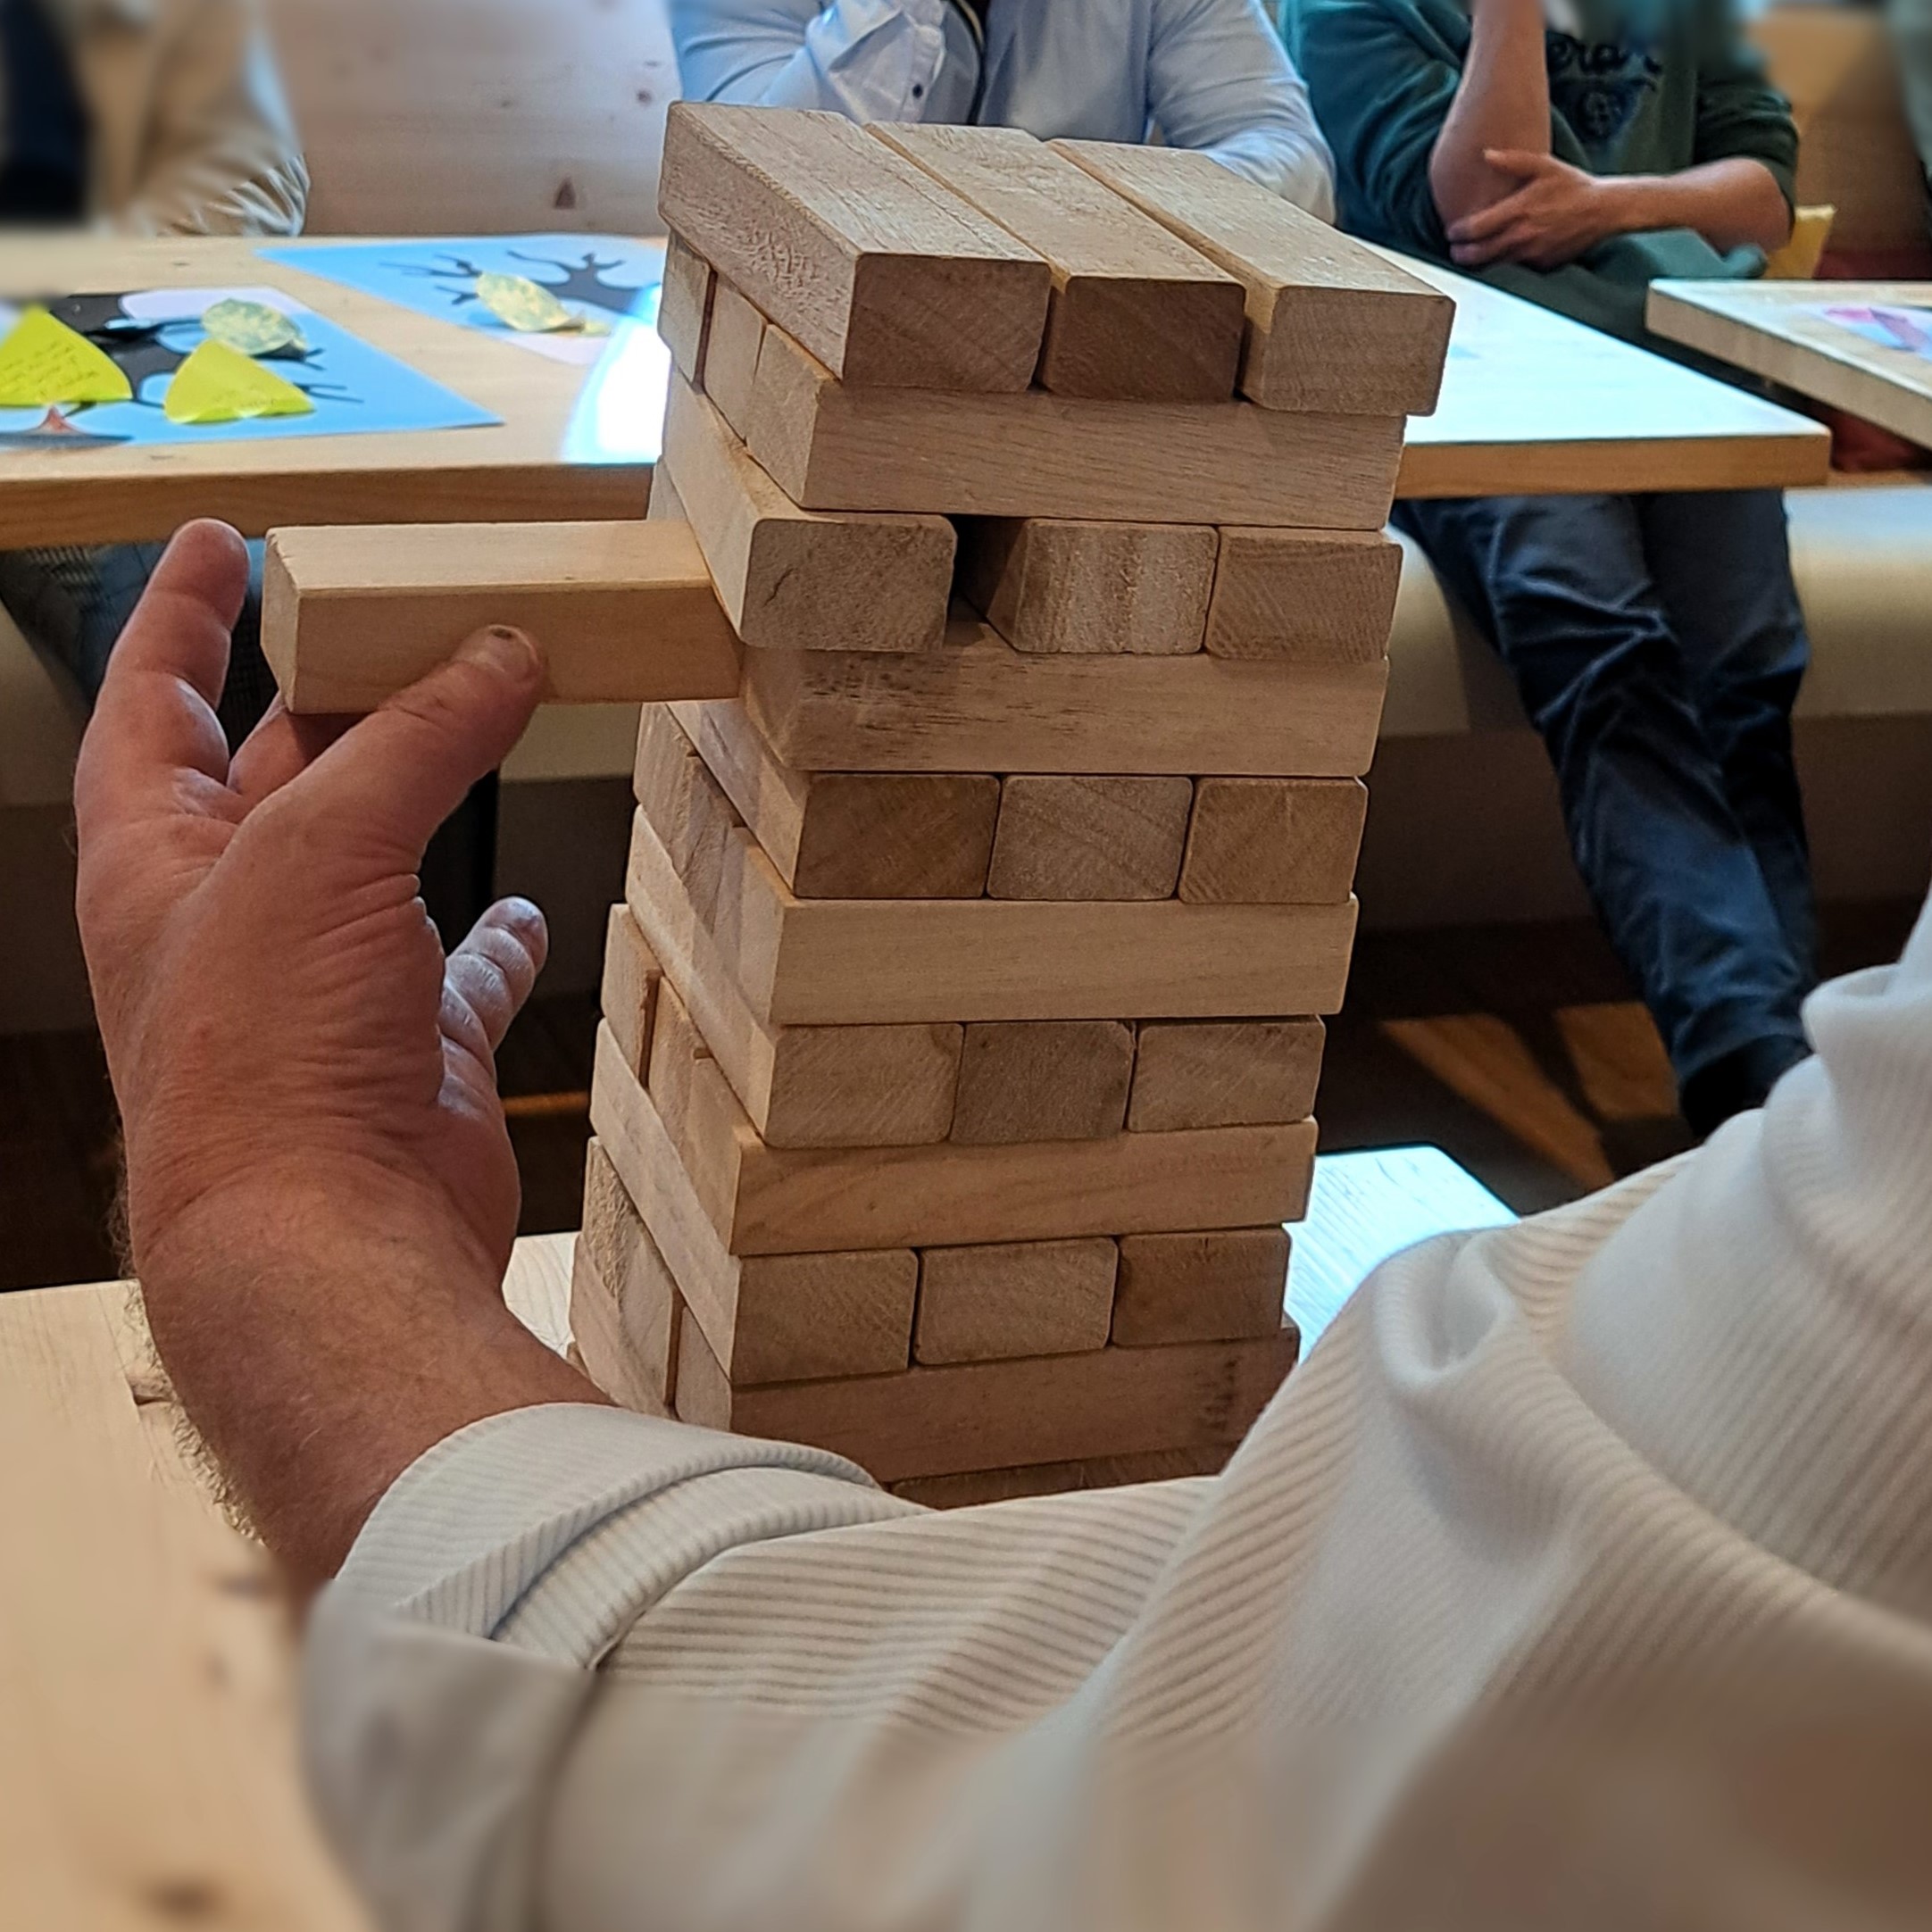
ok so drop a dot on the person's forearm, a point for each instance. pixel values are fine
(320, 1348)
(1503, 101)
(1732, 204)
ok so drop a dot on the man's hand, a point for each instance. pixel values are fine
(322, 1193)
(1555, 215)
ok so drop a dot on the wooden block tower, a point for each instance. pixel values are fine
(961, 1026)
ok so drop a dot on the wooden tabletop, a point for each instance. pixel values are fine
(542, 463)
(1780, 329)
(1533, 402)
(148, 1756)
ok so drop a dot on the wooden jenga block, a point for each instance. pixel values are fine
(1103, 589)
(979, 1487)
(624, 1305)
(1014, 1298)
(792, 581)
(851, 834)
(671, 1074)
(1211, 1286)
(883, 276)
(1273, 841)
(831, 445)
(762, 1200)
(768, 1318)
(967, 1415)
(623, 611)
(1332, 325)
(683, 307)
(1062, 838)
(1135, 312)
(629, 991)
(1224, 1073)
(1303, 596)
(976, 704)
(683, 803)
(732, 356)
(666, 506)
(804, 1086)
(1043, 1080)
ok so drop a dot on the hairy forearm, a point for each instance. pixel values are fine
(1503, 101)
(1732, 204)
(320, 1352)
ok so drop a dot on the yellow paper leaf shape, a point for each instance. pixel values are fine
(43, 361)
(529, 307)
(217, 383)
(254, 327)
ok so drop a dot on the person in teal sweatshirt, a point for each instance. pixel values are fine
(1570, 151)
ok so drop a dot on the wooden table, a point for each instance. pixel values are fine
(1533, 402)
(1776, 330)
(543, 464)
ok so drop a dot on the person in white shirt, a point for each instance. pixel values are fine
(1208, 74)
(1581, 1579)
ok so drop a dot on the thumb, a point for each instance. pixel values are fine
(399, 772)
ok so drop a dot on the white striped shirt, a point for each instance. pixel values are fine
(1582, 1578)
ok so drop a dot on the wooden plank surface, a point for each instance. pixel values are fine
(1303, 597)
(1273, 841)
(978, 1487)
(1080, 838)
(832, 445)
(1331, 325)
(851, 834)
(737, 333)
(1780, 329)
(885, 278)
(1098, 589)
(976, 704)
(970, 1416)
(624, 1305)
(1214, 1285)
(1013, 1298)
(623, 612)
(544, 460)
(1043, 1080)
(628, 991)
(1224, 1072)
(683, 307)
(792, 581)
(1134, 313)
(1533, 402)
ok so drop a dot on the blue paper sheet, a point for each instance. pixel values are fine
(355, 387)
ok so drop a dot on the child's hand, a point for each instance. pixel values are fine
(1558, 213)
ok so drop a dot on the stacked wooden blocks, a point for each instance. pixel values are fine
(962, 1027)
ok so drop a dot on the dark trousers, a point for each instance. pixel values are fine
(1657, 644)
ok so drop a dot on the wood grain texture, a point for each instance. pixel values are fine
(884, 277)
(1224, 1073)
(972, 1416)
(629, 996)
(851, 834)
(831, 445)
(738, 330)
(623, 612)
(976, 704)
(1298, 597)
(980, 1486)
(683, 307)
(1014, 1298)
(1096, 588)
(1074, 837)
(792, 581)
(684, 805)
(1216, 1285)
(858, 961)
(624, 1304)
(1331, 324)
(1134, 313)
(804, 1086)
(1273, 841)
(766, 1318)
(1043, 1080)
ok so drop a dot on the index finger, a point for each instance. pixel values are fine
(156, 717)
(1487, 221)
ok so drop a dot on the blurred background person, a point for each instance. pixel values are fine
(1206, 74)
(142, 117)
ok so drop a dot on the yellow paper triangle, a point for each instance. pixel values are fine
(43, 361)
(217, 383)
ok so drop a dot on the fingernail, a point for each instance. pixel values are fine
(507, 651)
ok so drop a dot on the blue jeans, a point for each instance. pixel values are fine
(1657, 644)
